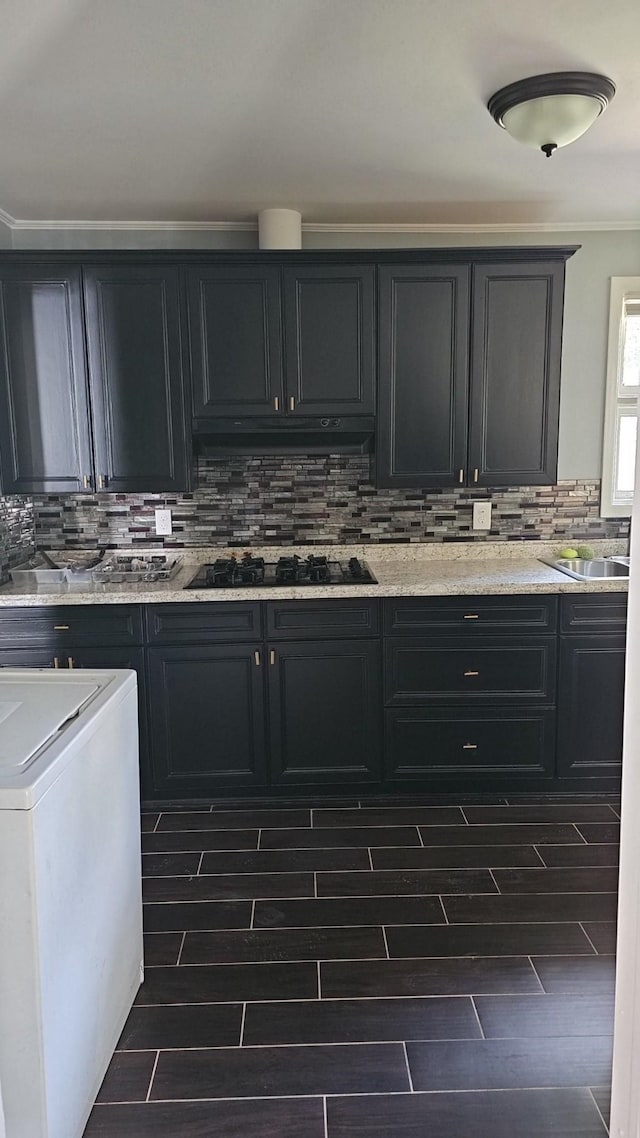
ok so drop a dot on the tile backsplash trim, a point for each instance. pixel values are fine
(244, 502)
(17, 539)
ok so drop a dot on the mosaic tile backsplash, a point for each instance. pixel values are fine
(288, 500)
(16, 533)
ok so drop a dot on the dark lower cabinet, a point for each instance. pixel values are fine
(325, 711)
(419, 671)
(431, 745)
(206, 719)
(591, 705)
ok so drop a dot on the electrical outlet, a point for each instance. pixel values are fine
(163, 523)
(482, 515)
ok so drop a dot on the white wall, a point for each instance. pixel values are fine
(603, 254)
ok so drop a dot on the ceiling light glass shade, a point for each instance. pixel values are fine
(549, 111)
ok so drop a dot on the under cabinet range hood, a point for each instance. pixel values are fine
(303, 435)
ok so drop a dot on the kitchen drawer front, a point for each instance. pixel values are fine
(82, 625)
(593, 612)
(322, 619)
(470, 616)
(423, 672)
(503, 741)
(201, 623)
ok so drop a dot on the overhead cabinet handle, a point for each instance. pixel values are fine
(86, 481)
(475, 474)
(461, 475)
(272, 657)
(471, 616)
(256, 656)
(292, 403)
(276, 403)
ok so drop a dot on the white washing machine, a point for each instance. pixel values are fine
(70, 890)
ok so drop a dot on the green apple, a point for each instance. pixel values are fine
(568, 554)
(585, 551)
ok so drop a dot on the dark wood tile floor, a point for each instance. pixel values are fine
(385, 971)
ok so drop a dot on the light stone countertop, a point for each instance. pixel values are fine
(452, 569)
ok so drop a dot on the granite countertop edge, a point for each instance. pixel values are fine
(396, 578)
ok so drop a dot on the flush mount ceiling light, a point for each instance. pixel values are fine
(548, 111)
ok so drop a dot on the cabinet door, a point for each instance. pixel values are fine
(423, 370)
(329, 340)
(236, 341)
(515, 373)
(325, 710)
(207, 719)
(45, 437)
(136, 377)
(590, 706)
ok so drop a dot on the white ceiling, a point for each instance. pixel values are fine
(348, 110)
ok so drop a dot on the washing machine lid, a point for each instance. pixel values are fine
(33, 711)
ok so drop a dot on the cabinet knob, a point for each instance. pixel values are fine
(86, 481)
(272, 657)
(102, 482)
(56, 662)
(71, 663)
(292, 403)
(256, 657)
(475, 474)
(276, 403)
(470, 672)
(469, 746)
(461, 475)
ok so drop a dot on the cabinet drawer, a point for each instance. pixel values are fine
(471, 615)
(201, 623)
(322, 619)
(594, 612)
(504, 741)
(84, 625)
(421, 671)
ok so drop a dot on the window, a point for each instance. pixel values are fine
(622, 406)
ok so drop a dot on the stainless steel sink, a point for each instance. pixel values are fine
(597, 568)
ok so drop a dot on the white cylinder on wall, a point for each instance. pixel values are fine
(279, 229)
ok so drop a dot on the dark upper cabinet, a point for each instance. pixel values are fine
(329, 339)
(45, 436)
(136, 377)
(325, 711)
(515, 373)
(469, 377)
(423, 371)
(235, 339)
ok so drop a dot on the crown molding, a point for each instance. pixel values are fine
(355, 227)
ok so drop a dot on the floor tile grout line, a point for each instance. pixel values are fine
(589, 939)
(612, 809)
(324, 1115)
(446, 915)
(475, 1011)
(406, 1059)
(377, 959)
(153, 1075)
(575, 826)
(244, 1014)
(177, 963)
(315, 885)
(370, 858)
(197, 874)
(604, 1122)
(461, 809)
(319, 981)
(259, 838)
(535, 972)
(157, 823)
(386, 943)
(540, 856)
(493, 878)
(253, 913)
(420, 838)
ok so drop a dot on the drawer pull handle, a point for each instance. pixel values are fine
(56, 662)
(86, 481)
(272, 657)
(256, 656)
(471, 616)
(469, 746)
(71, 663)
(61, 628)
(470, 672)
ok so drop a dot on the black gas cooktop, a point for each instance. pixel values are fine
(251, 572)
